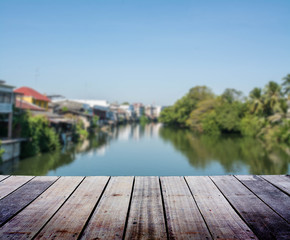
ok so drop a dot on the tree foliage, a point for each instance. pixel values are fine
(40, 137)
(286, 85)
(262, 114)
(179, 113)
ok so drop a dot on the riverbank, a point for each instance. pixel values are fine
(154, 150)
(264, 114)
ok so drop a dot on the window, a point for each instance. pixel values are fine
(5, 97)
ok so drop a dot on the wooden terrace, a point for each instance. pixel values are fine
(218, 207)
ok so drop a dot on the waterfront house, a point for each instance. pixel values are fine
(80, 110)
(139, 109)
(6, 110)
(26, 106)
(7, 99)
(129, 110)
(149, 111)
(100, 108)
(32, 96)
(158, 110)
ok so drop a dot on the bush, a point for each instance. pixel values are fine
(64, 109)
(251, 125)
(144, 120)
(80, 133)
(283, 133)
(40, 137)
(94, 122)
(48, 140)
(210, 125)
(229, 116)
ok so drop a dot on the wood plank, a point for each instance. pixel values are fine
(10, 184)
(222, 220)
(28, 222)
(272, 196)
(265, 223)
(109, 219)
(69, 221)
(184, 220)
(146, 216)
(2, 177)
(24, 195)
(280, 181)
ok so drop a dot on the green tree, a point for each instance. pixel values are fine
(286, 85)
(203, 108)
(167, 115)
(231, 95)
(251, 125)
(229, 116)
(40, 137)
(283, 132)
(94, 121)
(210, 125)
(180, 111)
(272, 98)
(256, 103)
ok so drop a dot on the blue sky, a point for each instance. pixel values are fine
(149, 51)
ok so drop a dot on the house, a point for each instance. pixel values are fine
(11, 146)
(129, 109)
(30, 95)
(149, 111)
(21, 104)
(139, 109)
(6, 110)
(72, 107)
(158, 110)
(100, 108)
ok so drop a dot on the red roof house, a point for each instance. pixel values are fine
(27, 106)
(26, 91)
(31, 96)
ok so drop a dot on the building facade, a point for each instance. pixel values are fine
(6, 107)
(30, 95)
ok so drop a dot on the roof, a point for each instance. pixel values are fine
(26, 91)
(27, 106)
(93, 103)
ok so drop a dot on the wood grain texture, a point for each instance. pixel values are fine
(146, 216)
(10, 184)
(109, 219)
(28, 222)
(2, 177)
(222, 207)
(272, 196)
(70, 219)
(23, 196)
(184, 220)
(265, 223)
(280, 181)
(223, 222)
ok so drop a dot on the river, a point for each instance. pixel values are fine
(151, 150)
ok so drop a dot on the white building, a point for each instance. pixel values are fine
(139, 109)
(158, 110)
(6, 103)
(100, 103)
(129, 109)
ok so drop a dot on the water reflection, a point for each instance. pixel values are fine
(155, 150)
(231, 152)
